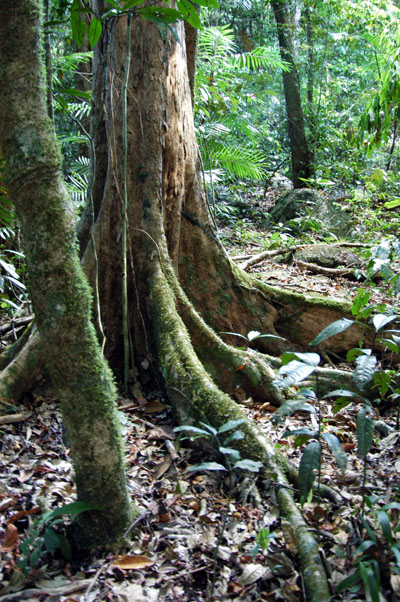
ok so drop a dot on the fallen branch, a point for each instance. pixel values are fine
(11, 418)
(318, 269)
(33, 593)
(17, 322)
(268, 254)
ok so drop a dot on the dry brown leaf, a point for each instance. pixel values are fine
(11, 539)
(132, 562)
(154, 407)
(162, 467)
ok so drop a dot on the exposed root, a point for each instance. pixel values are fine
(229, 367)
(194, 397)
(22, 366)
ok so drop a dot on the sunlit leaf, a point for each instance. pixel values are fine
(250, 465)
(206, 466)
(380, 320)
(231, 424)
(94, 31)
(364, 370)
(294, 372)
(331, 330)
(132, 562)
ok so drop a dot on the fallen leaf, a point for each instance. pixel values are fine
(251, 573)
(132, 562)
(154, 407)
(11, 539)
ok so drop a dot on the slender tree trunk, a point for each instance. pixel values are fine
(59, 291)
(302, 167)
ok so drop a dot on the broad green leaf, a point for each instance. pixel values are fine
(335, 328)
(336, 449)
(70, 509)
(160, 15)
(229, 451)
(206, 466)
(392, 204)
(78, 26)
(341, 393)
(235, 436)
(231, 424)
(391, 345)
(131, 3)
(309, 462)
(330, 331)
(364, 370)
(210, 428)
(190, 13)
(294, 372)
(385, 525)
(380, 320)
(311, 359)
(291, 406)
(364, 546)
(349, 581)
(94, 31)
(250, 465)
(360, 300)
(51, 540)
(191, 429)
(207, 3)
(365, 429)
(302, 431)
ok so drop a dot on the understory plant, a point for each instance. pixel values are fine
(373, 568)
(46, 536)
(232, 463)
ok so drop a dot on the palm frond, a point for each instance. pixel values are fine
(241, 162)
(216, 41)
(261, 57)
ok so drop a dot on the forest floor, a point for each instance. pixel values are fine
(192, 541)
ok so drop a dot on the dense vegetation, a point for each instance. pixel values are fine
(346, 56)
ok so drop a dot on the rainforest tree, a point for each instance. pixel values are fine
(302, 167)
(164, 286)
(59, 291)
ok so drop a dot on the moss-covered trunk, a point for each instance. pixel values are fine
(180, 280)
(59, 291)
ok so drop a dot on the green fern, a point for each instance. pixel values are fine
(230, 139)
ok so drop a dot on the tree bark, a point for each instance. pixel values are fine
(302, 167)
(182, 287)
(59, 291)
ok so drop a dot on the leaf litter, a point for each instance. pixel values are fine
(179, 541)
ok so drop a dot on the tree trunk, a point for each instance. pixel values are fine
(58, 289)
(302, 167)
(180, 281)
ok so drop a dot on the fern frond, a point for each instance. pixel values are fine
(241, 162)
(70, 62)
(263, 56)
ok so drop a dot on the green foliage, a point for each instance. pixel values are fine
(230, 455)
(375, 552)
(45, 536)
(227, 108)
